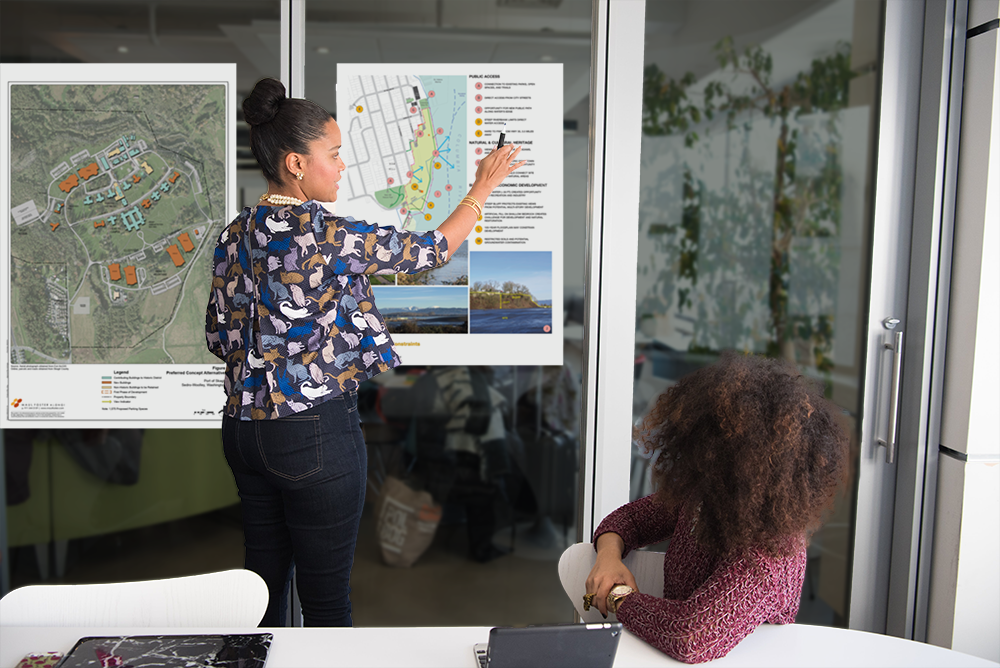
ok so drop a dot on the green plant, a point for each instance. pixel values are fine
(801, 206)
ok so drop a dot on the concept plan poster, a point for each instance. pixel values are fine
(413, 136)
(117, 181)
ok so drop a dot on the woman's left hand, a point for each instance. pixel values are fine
(608, 571)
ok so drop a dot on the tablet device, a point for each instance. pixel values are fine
(245, 651)
(553, 646)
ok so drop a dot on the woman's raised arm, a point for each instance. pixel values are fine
(493, 169)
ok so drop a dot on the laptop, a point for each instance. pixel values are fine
(553, 646)
(244, 650)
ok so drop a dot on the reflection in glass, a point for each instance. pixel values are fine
(754, 213)
(114, 505)
(488, 454)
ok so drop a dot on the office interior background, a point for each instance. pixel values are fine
(856, 181)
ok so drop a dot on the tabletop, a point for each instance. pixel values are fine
(451, 647)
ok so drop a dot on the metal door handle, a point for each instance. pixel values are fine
(897, 368)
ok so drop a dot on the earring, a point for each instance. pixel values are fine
(298, 175)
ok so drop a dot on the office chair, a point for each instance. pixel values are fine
(235, 598)
(577, 561)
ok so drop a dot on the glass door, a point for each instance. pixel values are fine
(775, 197)
(507, 497)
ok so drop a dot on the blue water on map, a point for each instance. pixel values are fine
(449, 113)
(510, 321)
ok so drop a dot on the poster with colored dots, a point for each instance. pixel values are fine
(413, 137)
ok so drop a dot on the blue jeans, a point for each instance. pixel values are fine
(302, 482)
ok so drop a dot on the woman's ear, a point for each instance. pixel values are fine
(294, 163)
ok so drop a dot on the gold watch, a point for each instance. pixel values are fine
(617, 595)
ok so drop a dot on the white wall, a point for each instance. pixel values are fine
(965, 588)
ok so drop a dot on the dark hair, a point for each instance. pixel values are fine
(280, 125)
(752, 447)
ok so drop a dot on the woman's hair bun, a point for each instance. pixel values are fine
(261, 106)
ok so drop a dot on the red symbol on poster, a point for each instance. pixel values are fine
(479, 110)
(547, 328)
(448, 187)
(479, 98)
(479, 150)
(479, 85)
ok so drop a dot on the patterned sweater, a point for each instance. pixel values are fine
(709, 604)
(292, 312)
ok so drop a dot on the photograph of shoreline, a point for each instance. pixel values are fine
(454, 272)
(511, 292)
(420, 310)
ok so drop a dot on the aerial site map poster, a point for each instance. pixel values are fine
(118, 179)
(413, 136)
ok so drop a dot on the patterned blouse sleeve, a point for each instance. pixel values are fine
(212, 329)
(641, 522)
(356, 247)
(738, 597)
(215, 305)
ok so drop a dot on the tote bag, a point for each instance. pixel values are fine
(407, 521)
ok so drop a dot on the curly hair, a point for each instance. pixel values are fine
(752, 447)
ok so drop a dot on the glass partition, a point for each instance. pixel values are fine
(127, 504)
(755, 212)
(509, 502)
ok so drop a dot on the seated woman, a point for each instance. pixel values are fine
(747, 456)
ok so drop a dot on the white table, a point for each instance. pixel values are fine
(792, 645)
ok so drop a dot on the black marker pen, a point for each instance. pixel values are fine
(500, 143)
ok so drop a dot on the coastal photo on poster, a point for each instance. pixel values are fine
(422, 310)
(118, 183)
(511, 292)
(453, 272)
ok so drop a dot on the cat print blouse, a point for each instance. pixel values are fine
(291, 311)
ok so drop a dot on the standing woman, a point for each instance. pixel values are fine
(292, 315)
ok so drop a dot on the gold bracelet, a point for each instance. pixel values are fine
(478, 206)
(471, 206)
(471, 201)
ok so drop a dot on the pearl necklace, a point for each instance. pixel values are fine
(281, 200)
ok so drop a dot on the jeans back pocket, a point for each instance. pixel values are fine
(290, 446)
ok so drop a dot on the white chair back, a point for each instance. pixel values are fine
(236, 598)
(577, 561)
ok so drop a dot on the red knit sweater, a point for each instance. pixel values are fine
(709, 604)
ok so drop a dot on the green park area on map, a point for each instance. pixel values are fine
(117, 197)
